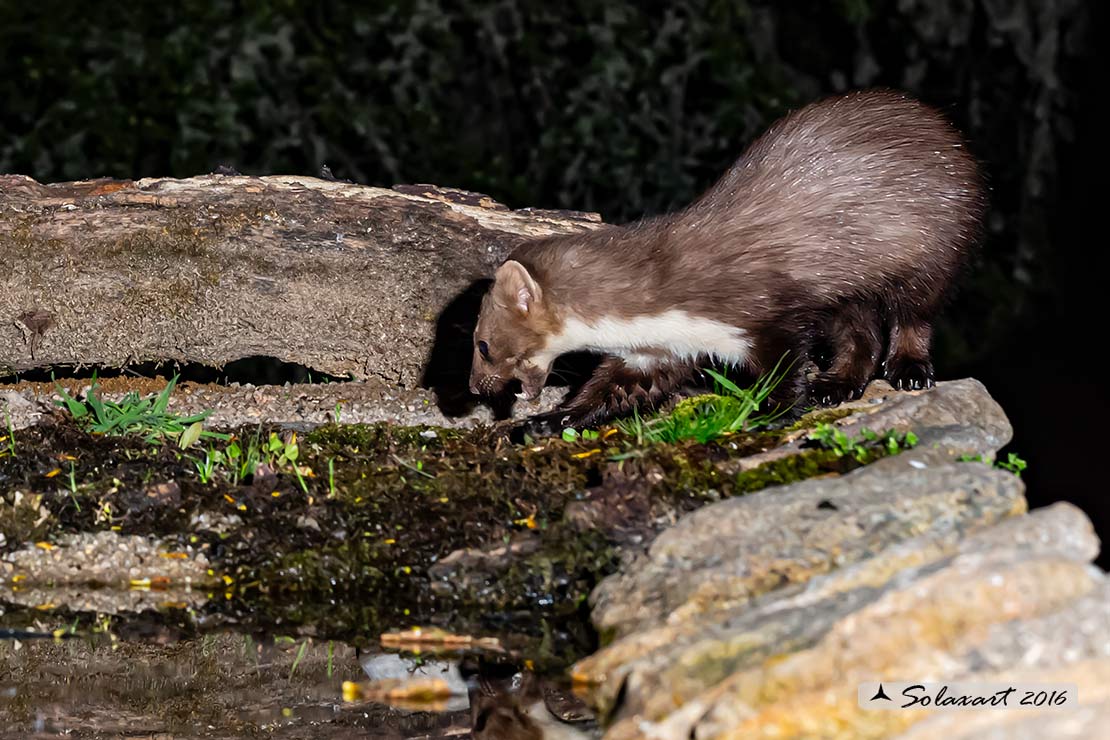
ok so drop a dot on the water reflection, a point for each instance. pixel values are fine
(229, 685)
(524, 707)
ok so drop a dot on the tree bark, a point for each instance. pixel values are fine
(341, 278)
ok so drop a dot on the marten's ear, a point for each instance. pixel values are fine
(513, 286)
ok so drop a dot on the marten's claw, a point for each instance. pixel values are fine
(541, 425)
(832, 391)
(910, 375)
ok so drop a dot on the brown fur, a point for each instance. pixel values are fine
(846, 222)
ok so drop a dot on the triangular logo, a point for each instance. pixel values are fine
(880, 694)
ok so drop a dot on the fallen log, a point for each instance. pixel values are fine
(344, 279)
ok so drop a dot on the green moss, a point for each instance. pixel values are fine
(791, 469)
(374, 436)
(821, 416)
(689, 409)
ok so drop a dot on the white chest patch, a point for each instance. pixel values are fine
(645, 341)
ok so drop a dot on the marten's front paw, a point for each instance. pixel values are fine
(539, 426)
(829, 390)
(910, 375)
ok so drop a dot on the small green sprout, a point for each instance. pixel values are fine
(573, 435)
(863, 447)
(213, 458)
(9, 438)
(297, 660)
(1013, 463)
(73, 485)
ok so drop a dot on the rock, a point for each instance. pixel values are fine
(19, 410)
(925, 624)
(758, 616)
(303, 406)
(163, 495)
(739, 548)
(126, 602)
(928, 607)
(730, 552)
(951, 407)
(932, 415)
(105, 558)
(1078, 632)
(663, 666)
(1089, 720)
(13, 401)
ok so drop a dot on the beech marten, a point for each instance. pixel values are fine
(844, 224)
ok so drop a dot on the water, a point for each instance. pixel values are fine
(232, 685)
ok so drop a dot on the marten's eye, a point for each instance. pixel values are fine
(483, 349)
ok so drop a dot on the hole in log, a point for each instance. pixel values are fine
(259, 370)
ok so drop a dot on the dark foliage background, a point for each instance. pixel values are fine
(627, 107)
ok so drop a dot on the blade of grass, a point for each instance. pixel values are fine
(162, 402)
(297, 660)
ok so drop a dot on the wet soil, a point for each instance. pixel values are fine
(385, 526)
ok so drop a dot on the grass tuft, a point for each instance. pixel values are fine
(147, 417)
(728, 410)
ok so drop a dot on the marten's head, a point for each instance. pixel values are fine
(510, 340)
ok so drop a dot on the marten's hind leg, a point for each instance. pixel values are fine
(854, 334)
(907, 366)
(614, 390)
